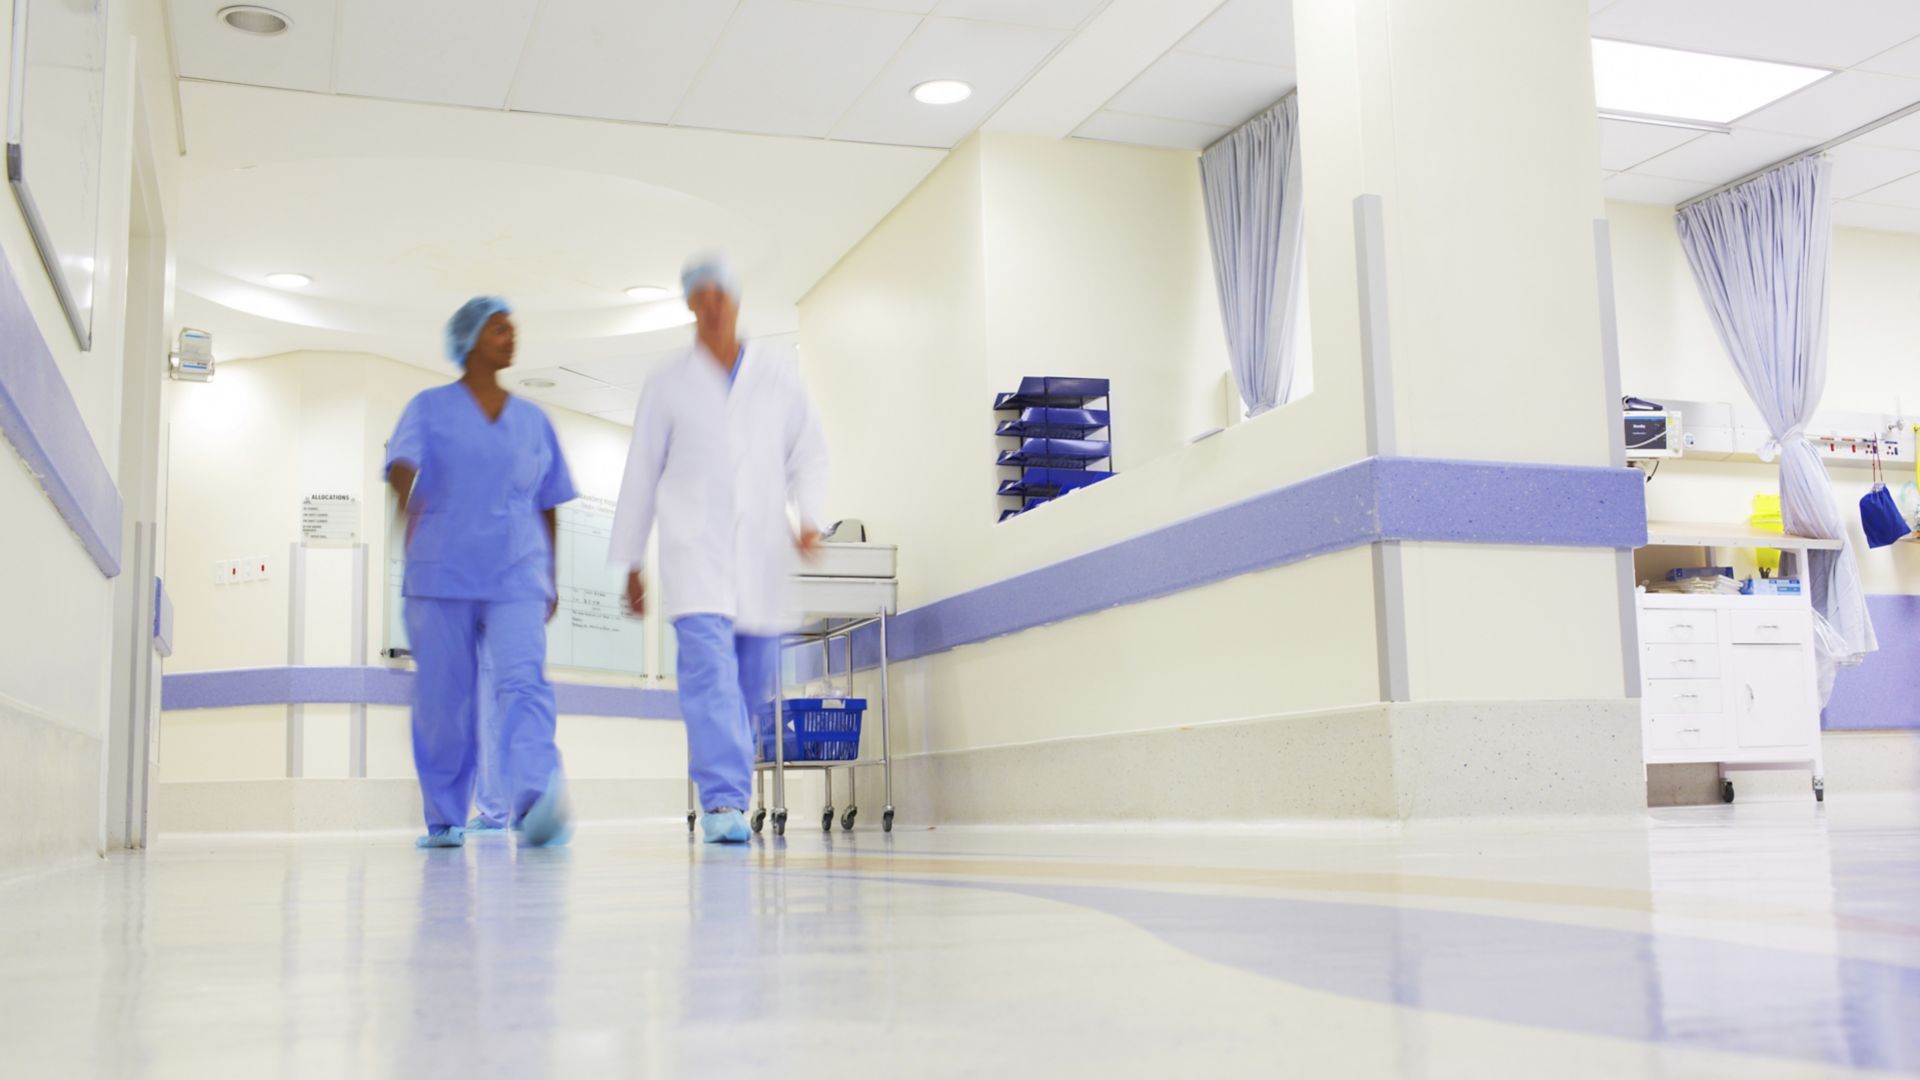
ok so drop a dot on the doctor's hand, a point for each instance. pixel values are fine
(636, 593)
(808, 542)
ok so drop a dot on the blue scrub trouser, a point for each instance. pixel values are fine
(446, 637)
(725, 678)
(492, 799)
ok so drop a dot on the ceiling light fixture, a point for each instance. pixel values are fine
(1650, 81)
(537, 384)
(255, 20)
(289, 281)
(648, 293)
(942, 92)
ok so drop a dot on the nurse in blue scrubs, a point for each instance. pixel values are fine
(479, 473)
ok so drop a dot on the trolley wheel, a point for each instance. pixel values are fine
(691, 818)
(779, 823)
(886, 820)
(1819, 790)
(1726, 791)
(826, 820)
(759, 819)
(846, 819)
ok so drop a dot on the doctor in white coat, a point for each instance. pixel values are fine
(728, 455)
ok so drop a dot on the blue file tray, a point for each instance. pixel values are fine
(1052, 390)
(1059, 453)
(1050, 423)
(1048, 483)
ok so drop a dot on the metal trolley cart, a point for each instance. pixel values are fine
(849, 590)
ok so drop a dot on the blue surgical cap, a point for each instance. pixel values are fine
(464, 328)
(704, 270)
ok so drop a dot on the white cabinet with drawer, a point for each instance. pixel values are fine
(1729, 680)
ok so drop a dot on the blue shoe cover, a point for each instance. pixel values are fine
(444, 836)
(550, 822)
(482, 825)
(725, 827)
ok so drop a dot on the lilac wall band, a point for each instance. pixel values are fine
(1883, 693)
(39, 416)
(1417, 499)
(380, 686)
(162, 619)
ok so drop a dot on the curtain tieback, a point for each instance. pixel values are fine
(1770, 449)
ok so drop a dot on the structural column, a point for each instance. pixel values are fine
(1465, 134)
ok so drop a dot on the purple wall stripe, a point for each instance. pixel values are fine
(162, 619)
(380, 686)
(38, 415)
(1883, 693)
(1418, 499)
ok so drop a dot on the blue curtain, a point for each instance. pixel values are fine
(1251, 180)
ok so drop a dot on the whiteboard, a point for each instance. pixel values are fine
(591, 630)
(55, 119)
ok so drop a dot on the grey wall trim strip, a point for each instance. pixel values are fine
(241, 687)
(1616, 443)
(39, 417)
(1376, 369)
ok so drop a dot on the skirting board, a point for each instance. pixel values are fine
(371, 805)
(1387, 761)
(1858, 762)
(49, 792)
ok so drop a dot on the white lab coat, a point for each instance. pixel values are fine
(721, 467)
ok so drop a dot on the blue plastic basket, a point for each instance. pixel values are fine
(818, 729)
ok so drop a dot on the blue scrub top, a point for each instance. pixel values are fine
(479, 494)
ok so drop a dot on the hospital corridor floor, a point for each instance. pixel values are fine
(1755, 940)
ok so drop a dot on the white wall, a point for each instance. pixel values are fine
(246, 448)
(1021, 256)
(1668, 349)
(55, 606)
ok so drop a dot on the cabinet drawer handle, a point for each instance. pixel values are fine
(1685, 660)
(1767, 626)
(1749, 695)
(1684, 697)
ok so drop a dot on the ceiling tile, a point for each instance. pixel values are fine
(1633, 188)
(1257, 31)
(626, 371)
(451, 52)
(617, 416)
(563, 380)
(617, 59)
(1819, 33)
(1903, 133)
(912, 7)
(299, 59)
(1716, 159)
(1902, 59)
(1624, 144)
(1203, 89)
(787, 67)
(1904, 192)
(1885, 218)
(1859, 167)
(595, 399)
(1110, 126)
(1836, 105)
(1050, 14)
(994, 57)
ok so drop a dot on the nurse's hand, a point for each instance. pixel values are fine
(808, 543)
(636, 594)
(553, 608)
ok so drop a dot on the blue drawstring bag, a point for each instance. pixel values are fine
(1880, 516)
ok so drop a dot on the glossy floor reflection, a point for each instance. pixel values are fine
(1748, 941)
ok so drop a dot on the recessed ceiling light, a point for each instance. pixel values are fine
(252, 19)
(942, 92)
(537, 384)
(1651, 81)
(289, 280)
(646, 293)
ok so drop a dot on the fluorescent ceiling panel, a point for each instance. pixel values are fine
(1652, 81)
